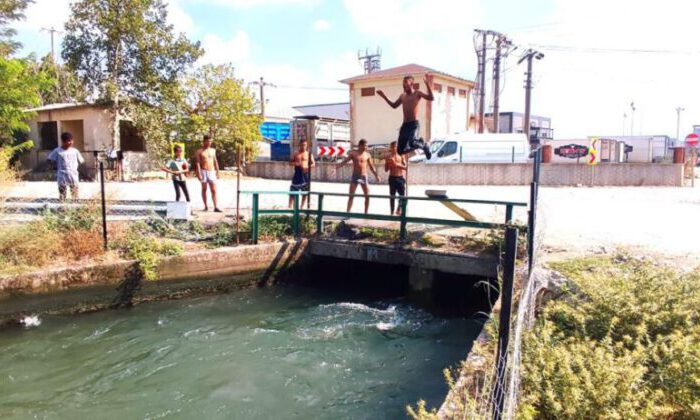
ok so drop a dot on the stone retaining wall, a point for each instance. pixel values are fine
(552, 174)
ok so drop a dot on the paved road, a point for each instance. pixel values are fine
(663, 220)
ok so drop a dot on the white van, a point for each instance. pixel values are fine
(478, 148)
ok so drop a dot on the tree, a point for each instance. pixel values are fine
(124, 50)
(20, 90)
(66, 86)
(219, 104)
(10, 11)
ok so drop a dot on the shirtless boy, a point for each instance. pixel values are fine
(207, 169)
(361, 160)
(395, 164)
(410, 129)
(302, 161)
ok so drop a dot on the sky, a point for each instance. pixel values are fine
(600, 55)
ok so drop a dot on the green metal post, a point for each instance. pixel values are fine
(403, 233)
(319, 216)
(509, 214)
(255, 218)
(295, 220)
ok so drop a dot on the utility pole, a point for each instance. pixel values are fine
(52, 31)
(262, 83)
(678, 122)
(482, 80)
(633, 108)
(501, 42)
(497, 85)
(529, 55)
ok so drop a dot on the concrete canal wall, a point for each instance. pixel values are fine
(117, 284)
(552, 174)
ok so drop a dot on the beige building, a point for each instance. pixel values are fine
(372, 119)
(92, 134)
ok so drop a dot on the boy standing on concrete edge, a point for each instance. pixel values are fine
(302, 161)
(67, 160)
(207, 169)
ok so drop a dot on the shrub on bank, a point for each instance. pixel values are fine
(626, 345)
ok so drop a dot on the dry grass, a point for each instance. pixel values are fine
(81, 244)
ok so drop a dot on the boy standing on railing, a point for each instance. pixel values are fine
(395, 164)
(302, 161)
(361, 159)
(67, 160)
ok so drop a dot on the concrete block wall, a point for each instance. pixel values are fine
(552, 174)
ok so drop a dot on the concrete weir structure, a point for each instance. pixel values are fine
(110, 285)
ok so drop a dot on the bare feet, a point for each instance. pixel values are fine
(216, 210)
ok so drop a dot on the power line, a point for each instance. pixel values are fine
(310, 87)
(571, 48)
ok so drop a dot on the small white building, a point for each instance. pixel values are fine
(90, 126)
(372, 119)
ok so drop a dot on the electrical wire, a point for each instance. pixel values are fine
(310, 88)
(569, 48)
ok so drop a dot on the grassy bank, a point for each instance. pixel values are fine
(623, 341)
(625, 344)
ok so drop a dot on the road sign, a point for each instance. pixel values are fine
(572, 151)
(593, 152)
(692, 140)
(331, 151)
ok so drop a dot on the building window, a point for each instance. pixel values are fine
(129, 138)
(462, 93)
(451, 91)
(437, 87)
(369, 91)
(48, 134)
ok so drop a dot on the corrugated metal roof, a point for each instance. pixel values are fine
(53, 107)
(336, 111)
(412, 69)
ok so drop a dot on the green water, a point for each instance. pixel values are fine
(272, 353)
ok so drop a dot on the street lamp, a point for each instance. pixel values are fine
(678, 122)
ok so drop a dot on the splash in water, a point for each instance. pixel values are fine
(30, 321)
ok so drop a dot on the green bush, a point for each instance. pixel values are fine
(279, 227)
(86, 217)
(626, 344)
(148, 251)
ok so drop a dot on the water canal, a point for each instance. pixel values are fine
(277, 352)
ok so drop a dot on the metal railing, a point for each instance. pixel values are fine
(296, 211)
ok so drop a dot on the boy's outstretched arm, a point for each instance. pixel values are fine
(394, 104)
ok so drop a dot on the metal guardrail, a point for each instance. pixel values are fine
(403, 219)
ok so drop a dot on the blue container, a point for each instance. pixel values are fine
(275, 131)
(279, 151)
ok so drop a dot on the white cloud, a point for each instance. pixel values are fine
(45, 14)
(322, 25)
(181, 21)
(587, 93)
(435, 33)
(218, 51)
